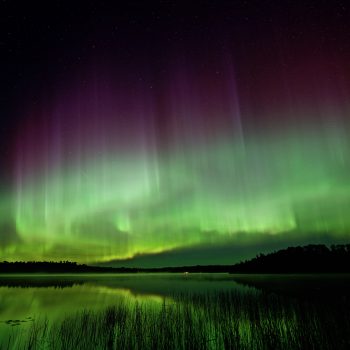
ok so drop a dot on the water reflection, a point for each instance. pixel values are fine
(306, 286)
(55, 297)
(23, 298)
(219, 299)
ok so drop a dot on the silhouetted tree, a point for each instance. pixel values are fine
(311, 258)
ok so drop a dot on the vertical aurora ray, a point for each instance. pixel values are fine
(104, 172)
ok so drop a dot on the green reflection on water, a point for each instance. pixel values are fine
(56, 297)
(172, 308)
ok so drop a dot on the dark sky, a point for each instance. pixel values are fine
(42, 43)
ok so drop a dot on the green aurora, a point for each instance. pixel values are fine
(234, 190)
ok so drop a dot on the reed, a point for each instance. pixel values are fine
(229, 320)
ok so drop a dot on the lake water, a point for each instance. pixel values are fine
(23, 297)
(26, 299)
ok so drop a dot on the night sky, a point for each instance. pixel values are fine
(172, 133)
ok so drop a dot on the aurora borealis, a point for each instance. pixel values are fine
(221, 135)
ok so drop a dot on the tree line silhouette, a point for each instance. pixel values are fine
(73, 267)
(49, 266)
(314, 258)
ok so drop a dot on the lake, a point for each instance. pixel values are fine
(221, 310)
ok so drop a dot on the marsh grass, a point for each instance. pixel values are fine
(211, 321)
